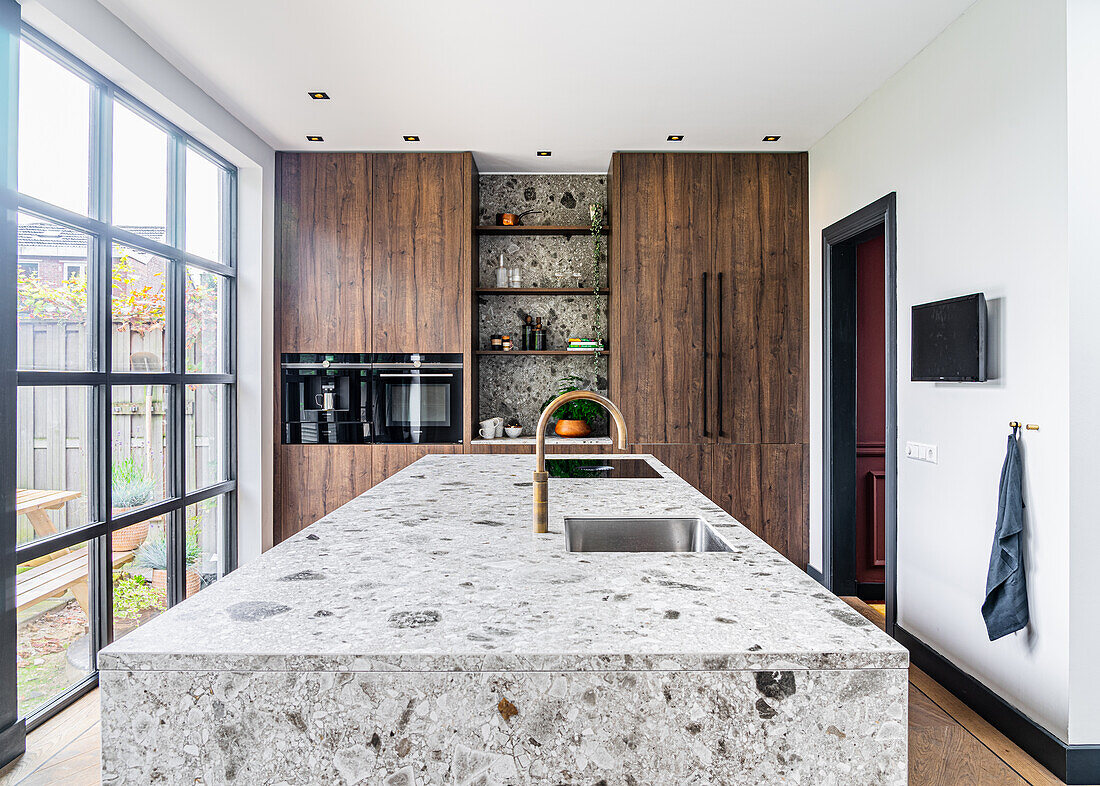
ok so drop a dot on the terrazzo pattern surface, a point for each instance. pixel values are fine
(561, 316)
(544, 260)
(517, 385)
(421, 634)
(817, 728)
(514, 386)
(436, 568)
(563, 199)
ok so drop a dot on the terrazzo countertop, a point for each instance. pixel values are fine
(530, 440)
(436, 569)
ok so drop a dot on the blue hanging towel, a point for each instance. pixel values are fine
(1005, 607)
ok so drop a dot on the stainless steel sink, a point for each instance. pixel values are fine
(641, 534)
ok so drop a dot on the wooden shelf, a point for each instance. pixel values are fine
(568, 231)
(534, 352)
(538, 291)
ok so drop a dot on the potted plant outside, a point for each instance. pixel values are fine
(136, 601)
(152, 555)
(574, 418)
(130, 488)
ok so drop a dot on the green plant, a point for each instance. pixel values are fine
(130, 486)
(133, 595)
(153, 553)
(573, 410)
(138, 299)
(595, 214)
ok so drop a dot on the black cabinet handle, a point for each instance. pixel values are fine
(706, 376)
(721, 365)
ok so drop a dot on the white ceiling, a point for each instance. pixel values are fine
(579, 77)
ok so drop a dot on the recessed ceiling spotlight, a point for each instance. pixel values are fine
(771, 138)
(543, 153)
(410, 138)
(314, 138)
(675, 137)
(318, 95)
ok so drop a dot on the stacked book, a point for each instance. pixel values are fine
(585, 345)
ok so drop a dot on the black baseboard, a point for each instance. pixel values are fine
(1074, 764)
(871, 591)
(13, 742)
(815, 574)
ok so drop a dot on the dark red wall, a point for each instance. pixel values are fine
(871, 410)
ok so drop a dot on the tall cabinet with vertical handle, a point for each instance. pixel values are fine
(661, 255)
(709, 259)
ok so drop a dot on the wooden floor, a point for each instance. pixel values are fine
(63, 751)
(949, 745)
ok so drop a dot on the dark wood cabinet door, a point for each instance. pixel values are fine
(662, 239)
(759, 485)
(423, 229)
(690, 462)
(391, 459)
(323, 252)
(762, 486)
(314, 480)
(761, 270)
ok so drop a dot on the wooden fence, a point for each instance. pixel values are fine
(53, 423)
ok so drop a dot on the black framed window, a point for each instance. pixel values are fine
(124, 455)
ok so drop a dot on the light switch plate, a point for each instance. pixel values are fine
(918, 451)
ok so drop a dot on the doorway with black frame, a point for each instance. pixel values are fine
(859, 269)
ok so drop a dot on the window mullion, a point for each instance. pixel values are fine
(99, 606)
(176, 348)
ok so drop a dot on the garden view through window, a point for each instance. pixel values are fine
(125, 347)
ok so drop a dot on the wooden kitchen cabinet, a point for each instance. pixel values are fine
(422, 251)
(762, 486)
(760, 270)
(373, 253)
(391, 459)
(661, 258)
(709, 259)
(323, 252)
(314, 480)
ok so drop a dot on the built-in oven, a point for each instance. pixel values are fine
(417, 398)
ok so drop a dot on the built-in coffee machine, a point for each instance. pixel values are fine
(326, 398)
(349, 398)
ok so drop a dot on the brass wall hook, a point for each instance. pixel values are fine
(1018, 424)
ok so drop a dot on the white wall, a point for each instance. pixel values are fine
(1083, 78)
(99, 38)
(972, 135)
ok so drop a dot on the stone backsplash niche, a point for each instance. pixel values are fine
(517, 385)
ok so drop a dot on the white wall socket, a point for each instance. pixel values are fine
(918, 451)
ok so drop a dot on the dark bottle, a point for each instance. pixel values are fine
(528, 334)
(540, 335)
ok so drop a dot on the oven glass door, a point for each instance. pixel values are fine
(414, 406)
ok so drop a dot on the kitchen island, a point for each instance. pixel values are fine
(421, 634)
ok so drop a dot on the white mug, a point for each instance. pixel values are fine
(487, 433)
(499, 427)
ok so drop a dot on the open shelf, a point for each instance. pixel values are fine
(568, 231)
(535, 352)
(538, 291)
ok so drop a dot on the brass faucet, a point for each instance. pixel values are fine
(541, 512)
